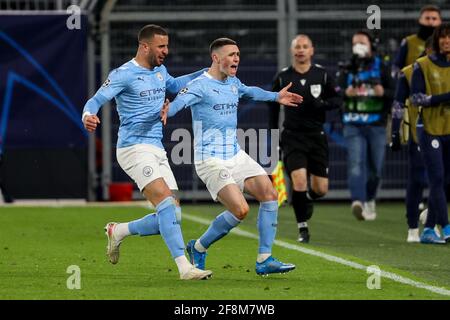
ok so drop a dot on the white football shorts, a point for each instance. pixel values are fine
(217, 173)
(145, 163)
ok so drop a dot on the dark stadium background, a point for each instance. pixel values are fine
(48, 156)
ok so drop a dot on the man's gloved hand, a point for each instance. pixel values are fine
(420, 99)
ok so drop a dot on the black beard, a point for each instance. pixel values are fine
(425, 32)
(153, 62)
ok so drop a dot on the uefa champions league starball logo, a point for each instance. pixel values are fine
(106, 83)
(183, 91)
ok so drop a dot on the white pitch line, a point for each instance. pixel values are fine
(389, 275)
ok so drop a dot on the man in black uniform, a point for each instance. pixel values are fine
(303, 141)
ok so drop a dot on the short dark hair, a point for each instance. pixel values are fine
(220, 42)
(148, 32)
(430, 7)
(441, 31)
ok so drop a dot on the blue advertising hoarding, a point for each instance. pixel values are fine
(43, 87)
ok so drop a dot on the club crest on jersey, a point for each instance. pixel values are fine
(234, 89)
(106, 83)
(303, 81)
(159, 76)
(316, 89)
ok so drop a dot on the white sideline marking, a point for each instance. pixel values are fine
(329, 257)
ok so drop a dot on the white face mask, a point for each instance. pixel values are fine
(361, 50)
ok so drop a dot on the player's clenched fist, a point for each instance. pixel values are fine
(90, 122)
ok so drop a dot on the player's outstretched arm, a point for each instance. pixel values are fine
(283, 97)
(174, 85)
(169, 109)
(287, 98)
(187, 96)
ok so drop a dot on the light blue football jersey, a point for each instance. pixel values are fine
(214, 106)
(139, 94)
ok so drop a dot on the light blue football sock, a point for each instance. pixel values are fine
(178, 214)
(148, 225)
(169, 227)
(267, 225)
(145, 226)
(219, 228)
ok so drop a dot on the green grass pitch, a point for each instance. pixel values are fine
(38, 244)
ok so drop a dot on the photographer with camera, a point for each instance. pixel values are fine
(368, 90)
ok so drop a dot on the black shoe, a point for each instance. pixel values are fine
(304, 236)
(309, 209)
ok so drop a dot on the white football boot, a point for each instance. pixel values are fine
(112, 249)
(196, 274)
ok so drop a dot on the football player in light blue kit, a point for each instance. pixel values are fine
(227, 170)
(139, 87)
